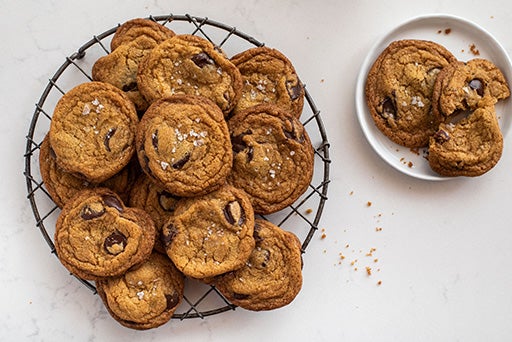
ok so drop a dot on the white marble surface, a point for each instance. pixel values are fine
(445, 248)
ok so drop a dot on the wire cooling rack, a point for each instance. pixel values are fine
(302, 218)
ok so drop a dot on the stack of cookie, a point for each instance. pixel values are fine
(162, 162)
(420, 95)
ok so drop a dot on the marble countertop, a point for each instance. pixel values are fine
(439, 251)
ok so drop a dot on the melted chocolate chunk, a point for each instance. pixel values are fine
(113, 202)
(91, 212)
(294, 91)
(256, 231)
(441, 136)
(234, 213)
(240, 296)
(237, 142)
(202, 59)
(167, 201)
(168, 234)
(388, 108)
(154, 140)
(478, 85)
(130, 86)
(293, 134)
(172, 300)
(108, 136)
(180, 163)
(115, 243)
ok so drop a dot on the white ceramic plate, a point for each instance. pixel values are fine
(458, 35)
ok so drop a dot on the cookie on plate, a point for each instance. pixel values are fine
(183, 144)
(157, 202)
(98, 236)
(462, 87)
(146, 296)
(139, 27)
(211, 234)
(187, 64)
(399, 90)
(273, 157)
(269, 78)
(92, 131)
(62, 185)
(272, 277)
(469, 147)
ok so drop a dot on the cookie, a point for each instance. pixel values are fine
(462, 87)
(272, 277)
(469, 147)
(211, 234)
(183, 144)
(144, 297)
(273, 157)
(399, 90)
(119, 68)
(98, 236)
(92, 131)
(187, 64)
(157, 202)
(268, 78)
(62, 185)
(136, 28)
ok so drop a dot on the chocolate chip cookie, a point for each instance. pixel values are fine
(157, 202)
(187, 64)
(183, 144)
(273, 157)
(469, 147)
(465, 86)
(269, 78)
(136, 28)
(98, 236)
(62, 185)
(399, 90)
(92, 131)
(144, 297)
(272, 277)
(211, 234)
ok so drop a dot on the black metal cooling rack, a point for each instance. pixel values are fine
(302, 217)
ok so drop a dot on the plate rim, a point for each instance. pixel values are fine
(360, 101)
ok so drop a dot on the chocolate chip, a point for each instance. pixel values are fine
(441, 136)
(154, 140)
(130, 86)
(172, 300)
(478, 85)
(240, 296)
(108, 136)
(234, 213)
(113, 202)
(167, 201)
(115, 243)
(168, 234)
(92, 211)
(202, 59)
(180, 163)
(293, 134)
(388, 108)
(294, 90)
(238, 144)
(256, 233)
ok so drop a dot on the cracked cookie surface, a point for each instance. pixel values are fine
(211, 234)
(139, 27)
(183, 145)
(144, 297)
(187, 64)
(92, 131)
(268, 78)
(399, 90)
(98, 236)
(273, 157)
(272, 277)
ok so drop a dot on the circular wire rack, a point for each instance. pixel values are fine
(302, 218)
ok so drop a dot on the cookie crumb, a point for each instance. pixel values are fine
(368, 270)
(368, 204)
(474, 50)
(309, 211)
(378, 229)
(410, 164)
(447, 30)
(379, 283)
(323, 236)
